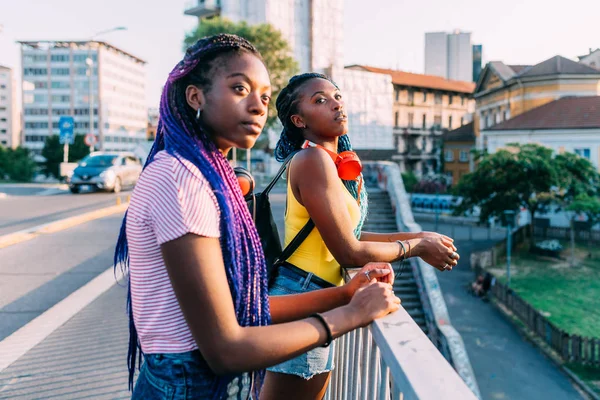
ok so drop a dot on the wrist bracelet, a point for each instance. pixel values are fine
(403, 249)
(327, 329)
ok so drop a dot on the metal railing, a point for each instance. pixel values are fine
(391, 360)
(442, 335)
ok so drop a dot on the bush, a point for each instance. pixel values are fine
(410, 180)
(16, 164)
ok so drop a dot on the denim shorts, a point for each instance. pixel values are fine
(182, 376)
(316, 361)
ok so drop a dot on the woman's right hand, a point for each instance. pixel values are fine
(373, 301)
(437, 252)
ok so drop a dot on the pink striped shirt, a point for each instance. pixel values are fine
(169, 201)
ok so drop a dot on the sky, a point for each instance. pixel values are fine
(383, 33)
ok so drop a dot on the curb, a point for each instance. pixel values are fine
(534, 340)
(52, 227)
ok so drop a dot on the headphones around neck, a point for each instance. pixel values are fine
(347, 163)
(245, 180)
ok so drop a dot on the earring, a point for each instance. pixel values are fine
(198, 114)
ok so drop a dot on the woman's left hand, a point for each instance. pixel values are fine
(371, 272)
(447, 240)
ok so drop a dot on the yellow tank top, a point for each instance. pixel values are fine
(312, 255)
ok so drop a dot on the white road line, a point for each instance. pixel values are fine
(20, 342)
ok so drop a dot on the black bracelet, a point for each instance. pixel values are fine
(327, 329)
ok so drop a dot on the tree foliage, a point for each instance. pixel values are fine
(16, 164)
(53, 152)
(269, 41)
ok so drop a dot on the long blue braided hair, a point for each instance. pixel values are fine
(291, 138)
(180, 134)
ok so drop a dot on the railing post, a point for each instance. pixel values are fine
(384, 383)
(373, 370)
(366, 356)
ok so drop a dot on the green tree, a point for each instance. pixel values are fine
(519, 176)
(588, 205)
(53, 152)
(16, 164)
(410, 180)
(273, 47)
(577, 177)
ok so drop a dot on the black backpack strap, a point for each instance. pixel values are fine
(296, 242)
(279, 173)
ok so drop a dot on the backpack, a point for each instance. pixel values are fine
(260, 209)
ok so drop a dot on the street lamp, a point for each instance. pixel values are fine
(90, 63)
(509, 217)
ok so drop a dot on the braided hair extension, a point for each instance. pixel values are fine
(291, 138)
(180, 135)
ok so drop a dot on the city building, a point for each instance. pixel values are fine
(591, 59)
(9, 121)
(506, 91)
(477, 61)
(449, 55)
(423, 107)
(313, 28)
(153, 115)
(569, 124)
(56, 82)
(458, 159)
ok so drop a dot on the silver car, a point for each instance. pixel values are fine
(110, 171)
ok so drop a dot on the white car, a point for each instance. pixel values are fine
(110, 171)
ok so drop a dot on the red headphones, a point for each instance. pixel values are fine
(245, 180)
(347, 163)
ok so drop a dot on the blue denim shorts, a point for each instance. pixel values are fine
(316, 361)
(182, 376)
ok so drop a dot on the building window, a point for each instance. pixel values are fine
(450, 122)
(437, 121)
(411, 96)
(424, 121)
(585, 153)
(450, 98)
(462, 121)
(464, 156)
(411, 120)
(437, 98)
(424, 97)
(449, 177)
(396, 118)
(462, 100)
(449, 156)
(397, 94)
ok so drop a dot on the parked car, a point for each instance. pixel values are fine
(109, 171)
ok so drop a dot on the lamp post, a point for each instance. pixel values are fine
(509, 216)
(90, 63)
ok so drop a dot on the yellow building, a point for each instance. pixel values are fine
(505, 91)
(458, 159)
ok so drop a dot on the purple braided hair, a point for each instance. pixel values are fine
(181, 136)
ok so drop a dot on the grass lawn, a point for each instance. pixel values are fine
(568, 296)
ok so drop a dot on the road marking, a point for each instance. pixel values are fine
(28, 336)
(52, 227)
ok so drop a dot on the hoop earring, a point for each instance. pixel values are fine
(198, 114)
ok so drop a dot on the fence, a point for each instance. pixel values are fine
(565, 234)
(571, 348)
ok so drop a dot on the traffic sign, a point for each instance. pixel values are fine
(66, 125)
(90, 139)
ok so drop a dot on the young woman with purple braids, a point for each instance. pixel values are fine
(198, 302)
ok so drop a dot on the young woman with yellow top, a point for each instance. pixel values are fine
(314, 120)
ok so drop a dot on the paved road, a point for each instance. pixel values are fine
(506, 365)
(26, 208)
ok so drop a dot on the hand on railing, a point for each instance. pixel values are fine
(437, 250)
(380, 271)
(375, 300)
